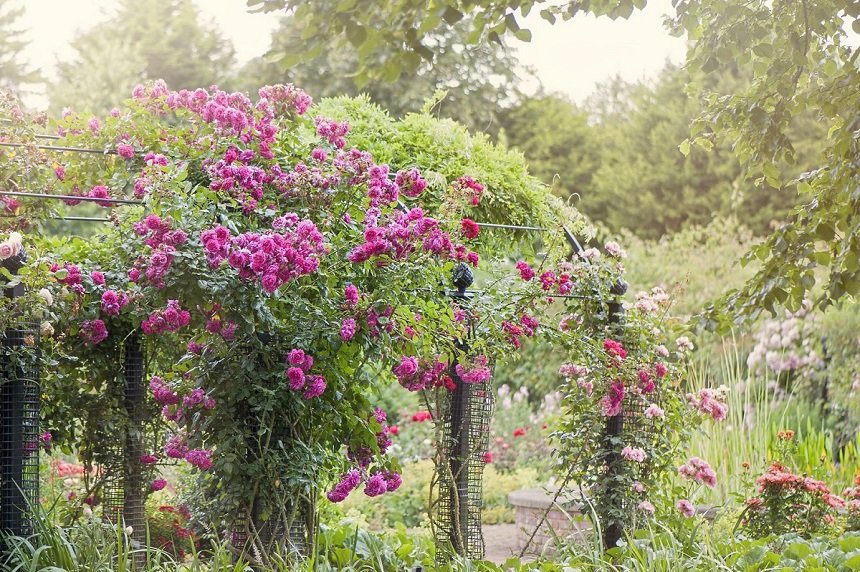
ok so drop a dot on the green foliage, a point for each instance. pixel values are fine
(149, 39)
(444, 148)
(695, 265)
(562, 149)
(475, 81)
(802, 63)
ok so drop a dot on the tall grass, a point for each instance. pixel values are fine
(748, 435)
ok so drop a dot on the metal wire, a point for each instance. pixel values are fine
(70, 198)
(60, 148)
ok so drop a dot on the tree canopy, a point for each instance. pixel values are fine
(144, 39)
(801, 64)
(14, 73)
(476, 79)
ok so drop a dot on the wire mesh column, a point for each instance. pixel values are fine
(609, 497)
(124, 487)
(465, 433)
(282, 522)
(19, 419)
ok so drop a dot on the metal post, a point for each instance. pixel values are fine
(614, 426)
(19, 422)
(465, 433)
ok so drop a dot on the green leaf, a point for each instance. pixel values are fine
(356, 34)
(452, 15)
(523, 35)
(684, 147)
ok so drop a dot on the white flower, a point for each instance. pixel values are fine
(590, 253)
(684, 344)
(16, 241)
(129, 530)
(46, 329)
(88, 511)
(654, 410)
(614, 249)
(46, 295)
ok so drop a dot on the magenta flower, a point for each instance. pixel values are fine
(93, 332)
(297, 378)
(347, 329)
(350, 294)
(157, 485)
(526, 272)
(375, 485)
(125, 150)
(199, 458)
(348, 482)
(686, 508)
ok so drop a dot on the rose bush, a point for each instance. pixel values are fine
(275, 275)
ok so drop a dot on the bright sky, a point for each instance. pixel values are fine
(571, 57)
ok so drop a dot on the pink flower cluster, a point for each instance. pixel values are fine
(272, 258)
(348, 482)
(163, 241)
(161, 392)
(614, 349)
(409, 182)
(333, 131)
(698, 470)
(709, 402)
(635, 454)
(415, 375)
(285, 99)
(300, 363)
(686, 508)
(580, 373)
(200, 458)
(527, 327)
(526, 271)
(113, 302)
(170, 319)
(611, 402)
(93, 332)
(347, 329)
(101, 192)
(477, 372)
(73, 278)
(401, 237)
(469, 188)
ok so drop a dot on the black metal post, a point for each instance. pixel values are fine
(612, 530)
(19, 423)
(460, 422)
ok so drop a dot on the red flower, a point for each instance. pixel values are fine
(488, 457)
(519, 431)
(394, 429)
(421, 416)
(614, 349)
(470, 228)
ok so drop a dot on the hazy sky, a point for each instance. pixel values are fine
(570, 57)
